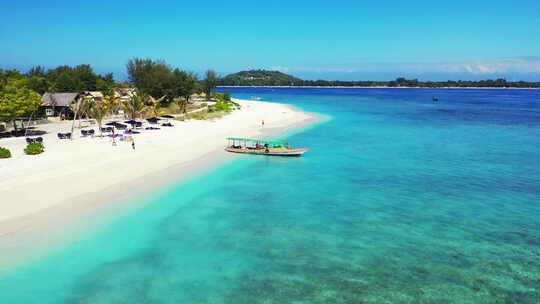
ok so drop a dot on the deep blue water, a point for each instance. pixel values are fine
(400, 200)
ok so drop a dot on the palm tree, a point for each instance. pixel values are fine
(79, 108)
(98, 110)
(154, 106)
(112, 102)
(136, 105)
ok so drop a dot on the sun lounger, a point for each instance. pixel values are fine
(120, 126)
(34, 140)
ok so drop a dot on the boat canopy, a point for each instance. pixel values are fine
(259, 141)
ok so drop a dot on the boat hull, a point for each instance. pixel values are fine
(288, 152)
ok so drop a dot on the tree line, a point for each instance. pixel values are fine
(157, 85)
(415, 83)
(276, 78)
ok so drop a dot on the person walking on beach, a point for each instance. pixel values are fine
(262, 123)
(113, 138)
(133, 143)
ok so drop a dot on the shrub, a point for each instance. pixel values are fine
(221, 106)
(226, 96)
(34, 149)
(5, 153)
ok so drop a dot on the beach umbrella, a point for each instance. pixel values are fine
(112, 123)
(131, 122)
(153, 120)
(167, 116)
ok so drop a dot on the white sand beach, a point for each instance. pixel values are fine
(74, 176)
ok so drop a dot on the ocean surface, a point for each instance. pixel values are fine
(400, 200)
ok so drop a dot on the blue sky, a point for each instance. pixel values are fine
(310, 39)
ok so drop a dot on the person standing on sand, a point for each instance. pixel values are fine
(262, 123)
(113, 138)
(133, 144)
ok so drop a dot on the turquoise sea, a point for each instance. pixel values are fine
(400, 200)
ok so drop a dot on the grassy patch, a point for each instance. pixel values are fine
(207, 115)
(5, 153)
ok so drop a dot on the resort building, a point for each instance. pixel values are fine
(124, 94)
(93, 95)
(58, 104)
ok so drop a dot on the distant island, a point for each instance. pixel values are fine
(263, 78)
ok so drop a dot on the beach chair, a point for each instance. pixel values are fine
(120, 126)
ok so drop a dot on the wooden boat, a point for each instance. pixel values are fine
(262, 147)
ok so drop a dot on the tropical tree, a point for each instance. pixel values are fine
(159, 80)
(149, 77)
(76, 79)
(98, 110)
(136, 105)
(155, 109)
(80, 108)
(153, 106)
(210, 83)
(112, 102)
(185, 84)
(16, 100)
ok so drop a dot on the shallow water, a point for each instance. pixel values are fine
(400, 200)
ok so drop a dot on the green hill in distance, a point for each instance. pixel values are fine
(262, 78)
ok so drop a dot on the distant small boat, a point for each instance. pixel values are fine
(435, 98)
(255, 98)
(262, 147)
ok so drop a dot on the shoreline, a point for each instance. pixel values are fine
(377, 87)
(65, 217)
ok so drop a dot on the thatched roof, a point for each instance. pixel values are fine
(59, 99)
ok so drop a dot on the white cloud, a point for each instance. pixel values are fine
(515, 65)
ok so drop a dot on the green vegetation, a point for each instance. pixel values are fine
(209, 83)
(160, 81)
(275, 78)
(61, 79)
(207, 115)
(137, 105)
(223, 103)
(5, 153)
(98, 110)
(112, 103)
(260, 78)
(16, 99)
(34, 149)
